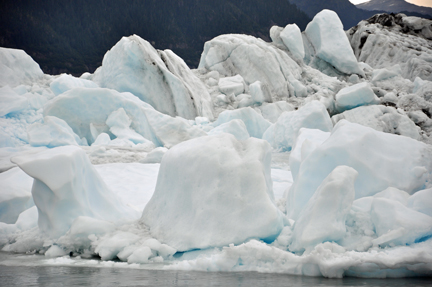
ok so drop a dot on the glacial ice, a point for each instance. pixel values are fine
(307, 140)
(423, 88)
(52, 132)
(159, 78)
(27, 219)
(256, 125)
(259, 93)
(354, 96)
(381, 118)
(282, 134)
(67, 82)
(133, 182)
(232, 85)
(155, 156)
(235, 127)
(292, 38)
(350, 200)
(11, 102)
(421, 201)
(383, 74)
(396, 224)
(119, 125)
(67, 186)
(272, 111)
(15, 195)
(218, 205)
(323, 217)
(253, 59)
(383, 46)
(94, 106)
(327, 36)
(402, 162)
(16, 68)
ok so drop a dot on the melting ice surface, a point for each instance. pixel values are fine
(303, 156)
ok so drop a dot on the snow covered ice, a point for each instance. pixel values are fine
(309, 155)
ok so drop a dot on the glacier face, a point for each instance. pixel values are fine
(308, 155)
(385, 40)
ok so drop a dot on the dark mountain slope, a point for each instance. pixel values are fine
(73, 35)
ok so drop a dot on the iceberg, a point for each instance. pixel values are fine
(323, 217)
(421, 201)
(232, 85)
(17, 67)
(119, 125)
(15, 194)
(328, 38)
(354, 96)
(383, 46)
(259, 93)
(67, 82)
(381, 118)
(155, 156)
(272, 111)
(11, 102)
(159, 78)
(396, 224)
(235, 127)
(94, 106)
(253, 59)
(66, 186)
(293, 40)
(316, 165)
(228, 203)
(403, 163)
(256, 125)
(283, 133)
(307, 140)
(51, 133)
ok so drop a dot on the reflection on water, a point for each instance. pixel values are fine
(86, 276)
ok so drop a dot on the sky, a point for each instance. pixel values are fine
(427, 3)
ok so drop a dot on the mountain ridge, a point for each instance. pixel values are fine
(395, 6)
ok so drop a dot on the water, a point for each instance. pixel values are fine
(36, 275)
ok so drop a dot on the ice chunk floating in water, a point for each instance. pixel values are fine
(66, 186)
(224, 196)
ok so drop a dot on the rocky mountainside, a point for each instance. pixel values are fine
(72, 36)
(394, 6)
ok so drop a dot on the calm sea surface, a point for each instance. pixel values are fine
(33, 275)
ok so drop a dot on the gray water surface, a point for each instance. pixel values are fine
(87, 276)
(25, 270)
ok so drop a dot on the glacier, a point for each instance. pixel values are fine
(310, 154)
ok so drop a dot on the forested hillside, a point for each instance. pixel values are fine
(73, 35)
